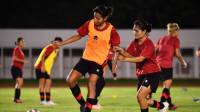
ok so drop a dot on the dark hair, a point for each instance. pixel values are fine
(58, 39)
(143, 25)
(103, 10)
(18, 40)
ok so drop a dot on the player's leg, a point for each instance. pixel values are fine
(42, 82)
(18, 86)
(99, 86)
(17, 76)
(167, 83)
(142, 93)
(80, 69)
(149, 84)
(41, 79)
(48, 91)
(72, 79)
(91, 100)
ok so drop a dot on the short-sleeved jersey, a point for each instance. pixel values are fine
(17, 52)
(50, 55)
(166, 50)
(147, 50)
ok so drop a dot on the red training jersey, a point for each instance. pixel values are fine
(17, 52)
(166, 50)
(47, 52)
(147, 50)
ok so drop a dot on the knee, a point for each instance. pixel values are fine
(70, 82)
(21, 83)
(140, 97)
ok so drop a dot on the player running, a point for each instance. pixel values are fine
(142, 52)
(168, 46)
(101, 36)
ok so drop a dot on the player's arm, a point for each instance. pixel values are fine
(15, 58)
(81, 32)
(180, 57)
(42, 63)
(122, 51)
(71, 39)
(131, 59)
(48, 51)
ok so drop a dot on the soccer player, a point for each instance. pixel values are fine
(101, 36)
(43, 68)
(18, 61)
(168, 46)
(142, 52)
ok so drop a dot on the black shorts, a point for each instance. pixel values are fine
(166, 74)
(151, 80)
(40, 74)
(85, 66)
(16, 72)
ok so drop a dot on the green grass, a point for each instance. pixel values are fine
(113, 99)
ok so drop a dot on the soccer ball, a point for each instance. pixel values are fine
(32, 110)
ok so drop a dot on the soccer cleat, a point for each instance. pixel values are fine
(50, 103)
(17, 101)
(82, 108)
(172, 107)
(96, 107)
(114, 78)
(165, 108)
(43, 103)
(197, 100)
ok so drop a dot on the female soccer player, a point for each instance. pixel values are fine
(43, 67)
(18, 61)
(101, 36)
(168, 46)
(142, 52)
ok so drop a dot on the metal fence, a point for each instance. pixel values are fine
(68, 57)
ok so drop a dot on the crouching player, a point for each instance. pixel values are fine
(43, 67)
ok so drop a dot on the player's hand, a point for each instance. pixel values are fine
(184, 64)
(43, 69)
(26, 61)
(114, 76)
(120, 58)
(119, 49)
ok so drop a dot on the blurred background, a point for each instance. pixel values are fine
(40, 21)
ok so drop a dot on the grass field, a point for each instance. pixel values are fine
(113, 99)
